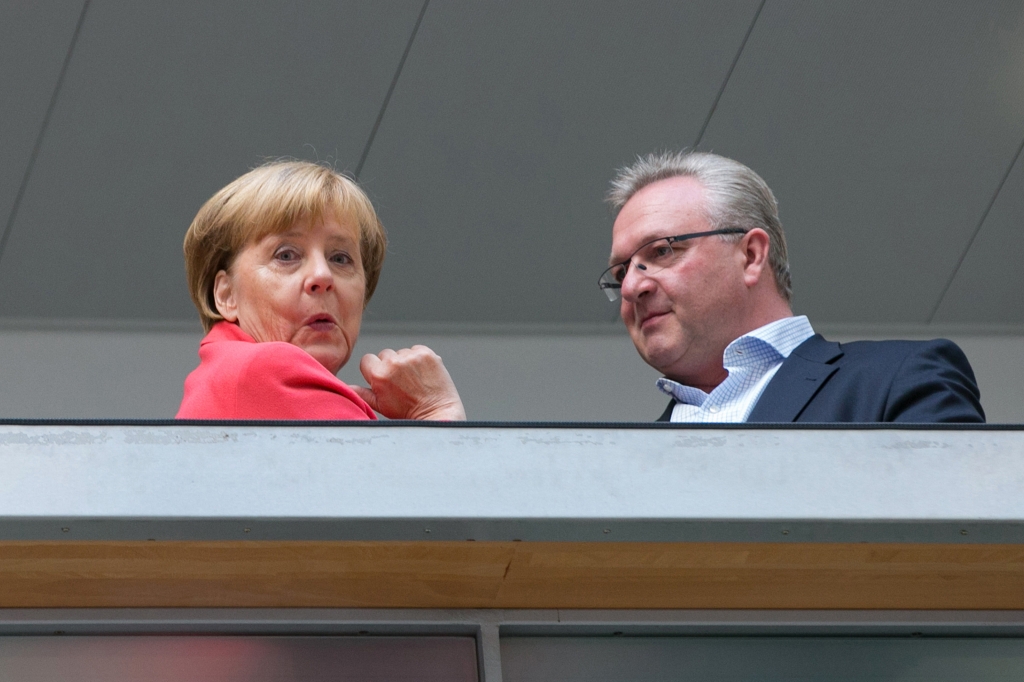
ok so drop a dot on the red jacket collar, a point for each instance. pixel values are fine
(226, 331)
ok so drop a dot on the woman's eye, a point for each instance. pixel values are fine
(341, 258)
(286, 255)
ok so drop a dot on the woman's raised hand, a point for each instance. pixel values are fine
(411, 383)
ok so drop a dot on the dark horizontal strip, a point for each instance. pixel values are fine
(776, 531)
(405, 423)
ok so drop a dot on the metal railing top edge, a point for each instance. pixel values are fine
(802, 426)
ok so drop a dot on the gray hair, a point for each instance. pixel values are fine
(736, 197)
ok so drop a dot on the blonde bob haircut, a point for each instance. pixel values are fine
(269, 200)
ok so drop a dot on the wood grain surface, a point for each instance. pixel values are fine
(511, 575)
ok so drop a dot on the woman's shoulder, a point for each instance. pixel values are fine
(269, 380)
(285, 362)
(227, 343)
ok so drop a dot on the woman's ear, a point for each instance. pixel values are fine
(224, 296)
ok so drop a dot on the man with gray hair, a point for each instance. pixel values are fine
(699, 262)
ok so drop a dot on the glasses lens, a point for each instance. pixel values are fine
(649, 258)
(610, 281)
(654, 257)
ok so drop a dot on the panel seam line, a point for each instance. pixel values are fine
(728, 75)
(974, 236)
(22, 188)
(391, 90)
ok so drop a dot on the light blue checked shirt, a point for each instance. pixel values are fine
(752, 361)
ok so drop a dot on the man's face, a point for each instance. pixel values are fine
(681, 318)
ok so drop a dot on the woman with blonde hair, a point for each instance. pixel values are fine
(281, 264)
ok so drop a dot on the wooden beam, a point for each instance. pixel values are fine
(511, 575)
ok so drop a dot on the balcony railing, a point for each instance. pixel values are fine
(510, 530)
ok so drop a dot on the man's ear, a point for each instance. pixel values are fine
(224, 296)
(754, 246)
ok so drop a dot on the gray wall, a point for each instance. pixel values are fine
(587, 377)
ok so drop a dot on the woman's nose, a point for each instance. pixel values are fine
(319, 279)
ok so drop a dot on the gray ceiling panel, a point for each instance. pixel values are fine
(162, 105)
(34, 40)
(989, 287)
(493, 158)
(884, 129)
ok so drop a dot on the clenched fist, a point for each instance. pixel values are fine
(411, 383)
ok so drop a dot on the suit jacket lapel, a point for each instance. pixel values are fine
(799, 378)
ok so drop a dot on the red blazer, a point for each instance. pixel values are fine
(238, 378)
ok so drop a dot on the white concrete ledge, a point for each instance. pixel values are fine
(393, 482)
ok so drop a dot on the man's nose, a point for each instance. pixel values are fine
(636, 283)
(319, 278)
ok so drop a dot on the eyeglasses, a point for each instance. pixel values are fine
(652, 257)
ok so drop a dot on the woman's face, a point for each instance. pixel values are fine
(304, 286)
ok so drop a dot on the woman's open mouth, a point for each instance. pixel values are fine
(321, 323)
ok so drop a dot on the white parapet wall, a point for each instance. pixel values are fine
(412, 482)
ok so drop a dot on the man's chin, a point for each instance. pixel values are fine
(660, 356)
(656, 356)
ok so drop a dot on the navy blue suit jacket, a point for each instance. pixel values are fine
(870, 381)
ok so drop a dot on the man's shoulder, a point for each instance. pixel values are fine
(817, 348)
(885, 361)
(895, 346)
(881, 381)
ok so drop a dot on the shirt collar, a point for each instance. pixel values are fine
(684, 394)
(784, 335)
(765, 345)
